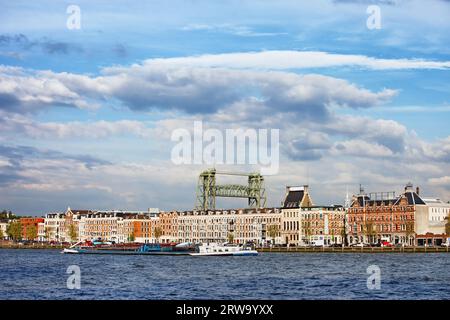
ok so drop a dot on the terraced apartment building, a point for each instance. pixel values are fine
(108, 225)
(240, 226)
(407, 219)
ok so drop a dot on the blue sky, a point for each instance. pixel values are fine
(86, 115)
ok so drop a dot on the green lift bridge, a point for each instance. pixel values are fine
(208, 190)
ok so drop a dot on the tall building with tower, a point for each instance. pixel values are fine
(406, 219)
(304, 223)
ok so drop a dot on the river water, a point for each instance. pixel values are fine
(41, 274)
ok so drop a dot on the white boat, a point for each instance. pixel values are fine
(72, 248)
(215, 249)
(68, 250)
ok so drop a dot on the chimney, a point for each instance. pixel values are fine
(409, 187)
(417, 190)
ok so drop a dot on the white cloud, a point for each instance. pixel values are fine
(13, 124)
(361, 148)
(436, 151)
(4, 163)
(237, 30)
(303, 106)
(195, 90)
(306, 145)
(388, 133)
(32, 91)
(287, 59)
(441, 181)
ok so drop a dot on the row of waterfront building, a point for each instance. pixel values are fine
(366, 218)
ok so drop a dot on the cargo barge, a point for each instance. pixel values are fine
(132, 249)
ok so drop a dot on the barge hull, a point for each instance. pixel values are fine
(117, 252)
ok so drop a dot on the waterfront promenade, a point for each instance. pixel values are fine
(291, 249)
(355, 249)
(8, 245)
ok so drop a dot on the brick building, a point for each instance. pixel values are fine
(144, 228)
(404, 219)
(27, 225)
(168, 222)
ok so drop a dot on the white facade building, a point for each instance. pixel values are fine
(4, 227)
(54, 227)
(431, 219)
(303, 223)
(438, 210)
(242, 225)
(41, 232)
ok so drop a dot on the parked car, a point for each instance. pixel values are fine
(336, 245)
(376, 244)
(386, 244)
(359, 245)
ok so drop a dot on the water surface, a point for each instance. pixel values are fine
(41, 274)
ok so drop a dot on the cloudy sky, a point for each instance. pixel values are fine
(86, 115)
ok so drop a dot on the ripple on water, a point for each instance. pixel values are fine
(41, 274)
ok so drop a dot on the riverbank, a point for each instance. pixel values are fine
(356, 249)
(281, 249)
(31, 246)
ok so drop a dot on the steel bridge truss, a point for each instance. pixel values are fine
(208, 190)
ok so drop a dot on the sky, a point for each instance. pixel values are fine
(87, 114)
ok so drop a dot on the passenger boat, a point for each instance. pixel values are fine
(131, 249)
(215, 249)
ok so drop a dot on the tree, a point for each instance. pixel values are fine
(158, 233)
(230, 237)
(369, 231)
(273, 231)
(1, 234)
(14, 230)
(409, 230)
(72, 232)
(131, 237)
(447, 226)
(344, 236)
(47, 234)
(7, 215)
(308, 230)
(31, 232)
(333, 238)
